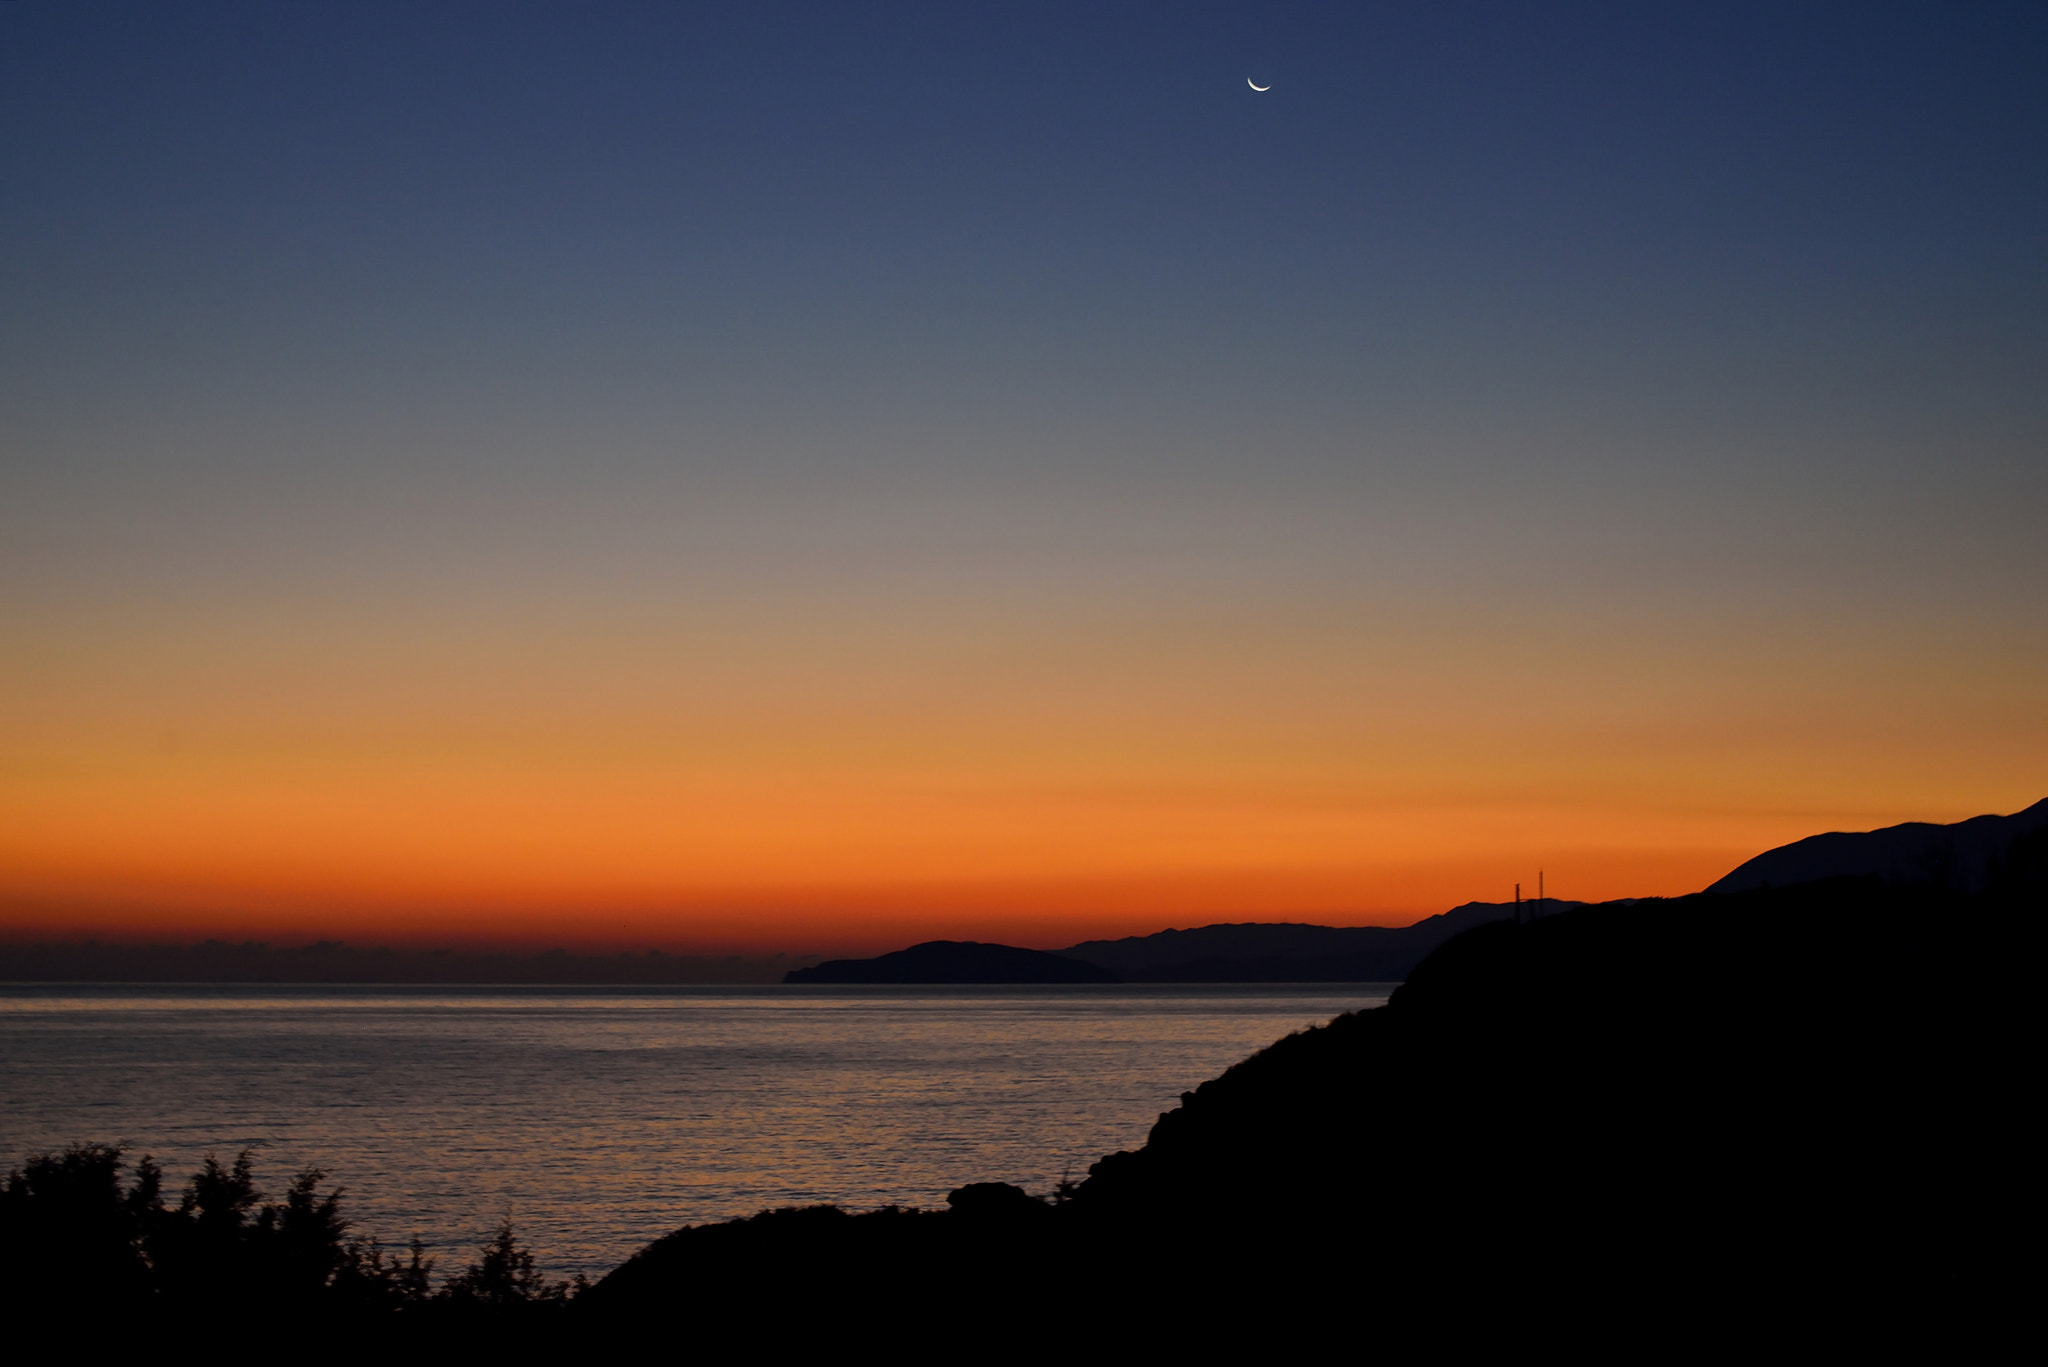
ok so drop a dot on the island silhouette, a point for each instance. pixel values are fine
(1248, 952)
(956, 961)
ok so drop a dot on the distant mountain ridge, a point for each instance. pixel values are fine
(1963, 858)
(955, 961)
(1293, 952)
(1246, 952)
(1959, 857)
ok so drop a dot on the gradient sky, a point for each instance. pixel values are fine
(810, 477)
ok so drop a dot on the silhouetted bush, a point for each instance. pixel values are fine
(70, 1234)
(74, 1241)
(504, 1276)
(367, 1279)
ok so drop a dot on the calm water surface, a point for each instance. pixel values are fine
(601, 1118)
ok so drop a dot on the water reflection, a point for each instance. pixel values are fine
(600, 1118)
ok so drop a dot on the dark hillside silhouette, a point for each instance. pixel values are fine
(955, 961)
(1611, 1116)
(991, 1272)
(1618, 1125)
(1958, 856)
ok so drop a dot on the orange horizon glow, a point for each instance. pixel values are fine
(703, 787)
(819, 920)
(528, 883)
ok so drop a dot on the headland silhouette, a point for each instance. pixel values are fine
(1617, 1113)
(1615, 1120)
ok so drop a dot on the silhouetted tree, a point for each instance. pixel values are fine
(504, 1274)
(69, 1235)
(73, 1241)
(208, 1254)
(302, 1239)
(366, 1278)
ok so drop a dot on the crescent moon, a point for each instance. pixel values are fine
(1248, 81)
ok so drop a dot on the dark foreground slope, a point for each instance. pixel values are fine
(1619, 1124)
(1615, 1115)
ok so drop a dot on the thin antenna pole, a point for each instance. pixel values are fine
(1539, 892)
(1518, 904)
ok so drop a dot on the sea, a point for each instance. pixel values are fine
(598, 1119)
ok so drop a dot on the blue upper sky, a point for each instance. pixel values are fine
(1525, 206)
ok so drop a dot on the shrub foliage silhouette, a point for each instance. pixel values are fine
(75, 1239)
(504, 1275)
